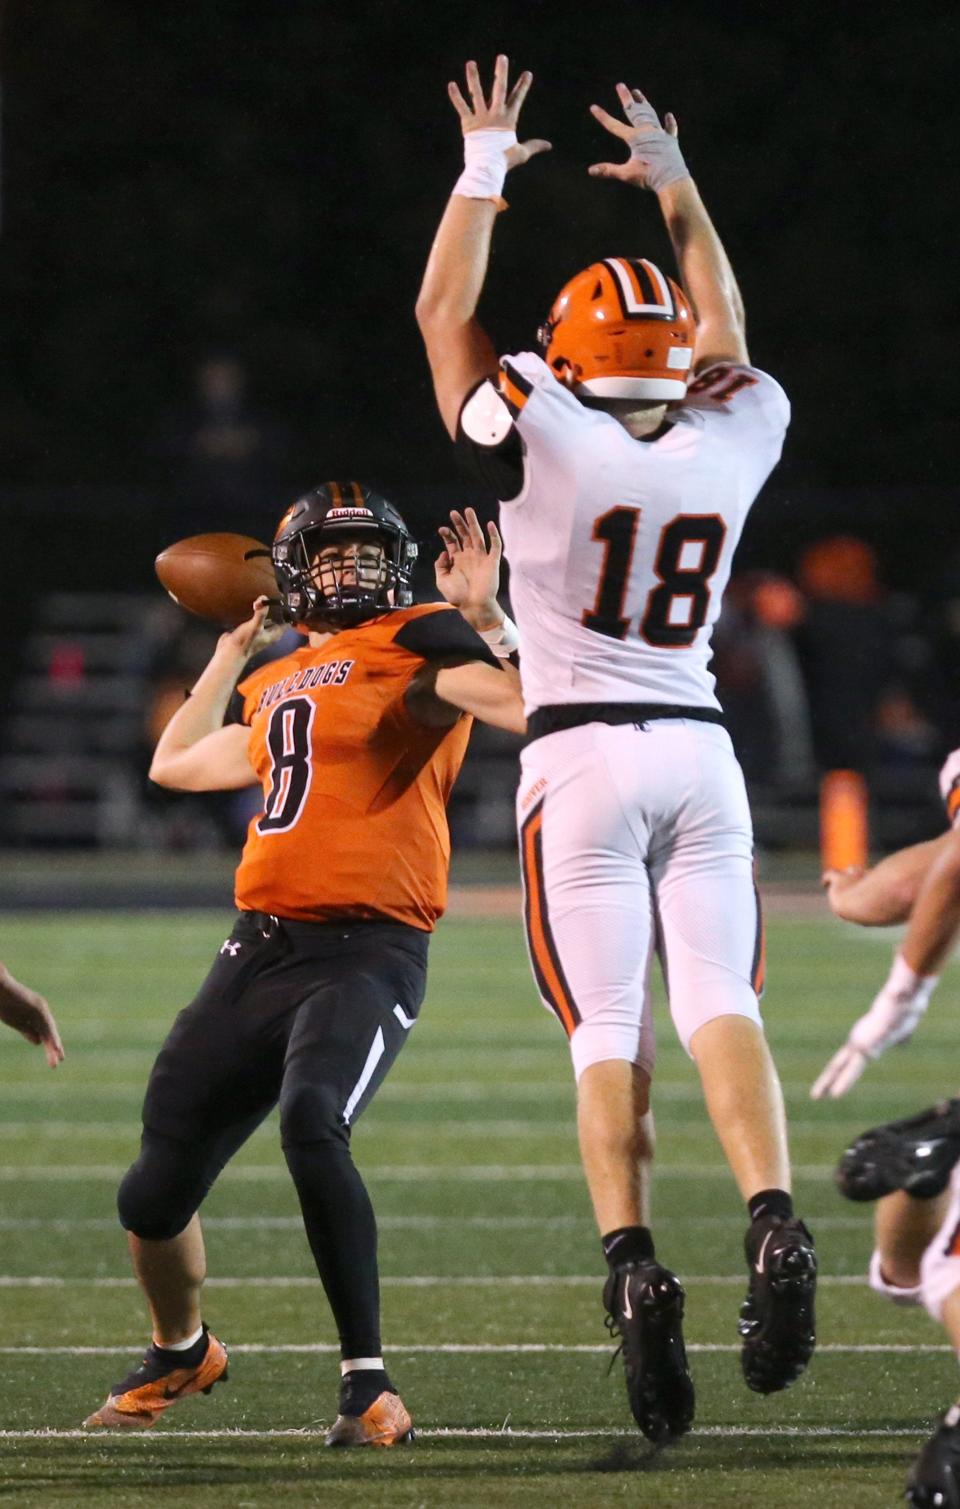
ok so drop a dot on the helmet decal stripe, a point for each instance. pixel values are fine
(644, 291)
(336, 495)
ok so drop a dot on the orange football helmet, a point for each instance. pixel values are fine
(621, 329)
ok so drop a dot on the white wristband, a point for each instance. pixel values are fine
(906, 985)
(484, 164)
(504, 640)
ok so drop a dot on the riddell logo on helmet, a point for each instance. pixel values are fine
(348, 513)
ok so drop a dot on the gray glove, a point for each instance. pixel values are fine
(656, 151)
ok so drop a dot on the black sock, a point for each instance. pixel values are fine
(342, 1232)
(191, 1357)
(628, 1244)
(770, 1202)
(358, 1390)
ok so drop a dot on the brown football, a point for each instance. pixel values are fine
(218, 576)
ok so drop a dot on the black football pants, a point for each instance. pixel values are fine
(307, 1015)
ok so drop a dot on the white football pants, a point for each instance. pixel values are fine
(635, 840)
(940, 1265)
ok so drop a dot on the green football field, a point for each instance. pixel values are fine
(491, 1278)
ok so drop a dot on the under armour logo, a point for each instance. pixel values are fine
(231, 948)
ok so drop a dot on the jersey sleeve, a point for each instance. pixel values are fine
(443, 635)
(243, 702)
(950, 786)
(745, 395)
(236, 709)
(488, 442)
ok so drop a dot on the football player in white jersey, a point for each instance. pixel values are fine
(627, 457)
(911, 1168)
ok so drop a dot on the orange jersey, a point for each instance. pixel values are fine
(354, 821)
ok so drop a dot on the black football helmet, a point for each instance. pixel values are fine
(330, 512)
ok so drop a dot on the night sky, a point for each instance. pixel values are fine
(265, 179)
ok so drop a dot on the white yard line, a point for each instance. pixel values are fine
(416, 1223)
(490, 1126)
(534, 1348)
(466, 1434)
(403, 1281)
(402, 1173)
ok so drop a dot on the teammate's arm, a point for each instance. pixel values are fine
(885, 894)
(28, 1013)
(932, 871)
(656, 163)
(459, 350)
(195, 752)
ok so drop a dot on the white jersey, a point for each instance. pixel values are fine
(950, 787)
(620, 549)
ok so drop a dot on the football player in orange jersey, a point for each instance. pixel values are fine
(356, 739)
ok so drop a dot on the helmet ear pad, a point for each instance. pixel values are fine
(621, 329)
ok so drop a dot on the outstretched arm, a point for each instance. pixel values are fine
(885, 894)
(656, 163)
(458, 348)
(931, 872)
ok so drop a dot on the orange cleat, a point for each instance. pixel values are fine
(384, 1423)
(140, 1399)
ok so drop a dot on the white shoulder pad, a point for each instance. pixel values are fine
(950, 784)
(485, 418)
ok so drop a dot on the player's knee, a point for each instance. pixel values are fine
(157, 1196)
(939, 1276)
(311, 1113)
(900, 1294)
(724, 1010)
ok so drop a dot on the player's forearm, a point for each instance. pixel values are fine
(457, 265)
(492, 694)
(935, 919)
(704, 266)
(203, 711)
(886, 894)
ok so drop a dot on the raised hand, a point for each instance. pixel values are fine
(655, 158)
(255, 633)
(500, 111)
(468, 568)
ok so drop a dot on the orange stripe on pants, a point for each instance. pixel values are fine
(549, 979)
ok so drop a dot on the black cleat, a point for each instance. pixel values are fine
(916, 1155)
(644, 1304)
(934, 1479)
(776, 1318)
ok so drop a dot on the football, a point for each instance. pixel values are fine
(218, 576)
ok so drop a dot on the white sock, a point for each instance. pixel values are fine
(180, 1346)
(360, 1365)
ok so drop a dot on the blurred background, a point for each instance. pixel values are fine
(214, 219)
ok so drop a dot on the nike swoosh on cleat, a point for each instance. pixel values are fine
(758, 1265)
(627, 1309)
(174, 1393)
